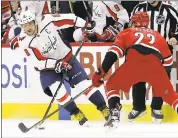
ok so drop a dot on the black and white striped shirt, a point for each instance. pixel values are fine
(163, 18)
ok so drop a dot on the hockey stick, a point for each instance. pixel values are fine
(24, 129)
(15, 20)
(63, 78)
(52, 100)
(88, 14)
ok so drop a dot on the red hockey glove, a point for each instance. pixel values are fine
(97, 78)
(108, 35)
(63, 66)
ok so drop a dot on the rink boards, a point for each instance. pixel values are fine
(22, 96)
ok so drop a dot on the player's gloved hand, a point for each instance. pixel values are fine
(108, 35)
(14, 43)
(90, 28)
(63, 66)
(172, 41)
(97, 78)
(118, 27)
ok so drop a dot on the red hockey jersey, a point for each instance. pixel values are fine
(146, 38)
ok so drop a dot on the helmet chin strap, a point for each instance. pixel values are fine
(36, 29)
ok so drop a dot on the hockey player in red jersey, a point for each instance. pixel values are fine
(147, 55)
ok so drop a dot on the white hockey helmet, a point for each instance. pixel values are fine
(26, 17)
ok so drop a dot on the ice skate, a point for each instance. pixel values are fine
(114, 118)
(157, 116)
(81, 118)
(134, 114)
(105, 112)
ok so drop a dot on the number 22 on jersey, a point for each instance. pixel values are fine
(141, 37)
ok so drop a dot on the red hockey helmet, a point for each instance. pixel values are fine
(141, 19)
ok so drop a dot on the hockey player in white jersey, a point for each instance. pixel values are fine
(50, 54)
(13, 28)
(37, 7)
(110, 18)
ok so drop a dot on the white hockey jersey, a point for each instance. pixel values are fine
(12, 24)
(103, 9)
(47, 46)
(37, 7)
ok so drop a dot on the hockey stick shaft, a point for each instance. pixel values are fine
(15, 20)
(88, 14)
(52, 100)
(24, 129)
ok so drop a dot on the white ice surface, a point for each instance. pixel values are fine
(58, 129)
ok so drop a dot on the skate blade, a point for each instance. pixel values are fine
(156, 121)
(112, 127)
(86, 124)
(112, 124)
(142, 114)
(108, 124)
(115, 124)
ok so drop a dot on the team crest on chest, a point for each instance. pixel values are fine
(160, 19)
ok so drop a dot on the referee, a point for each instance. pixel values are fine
(164, 19)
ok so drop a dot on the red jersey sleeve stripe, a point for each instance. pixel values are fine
(112, 93)
(114, 15)
(116, 50)
(63, 22)
(168, 58)
(168, 62)
(38, 55)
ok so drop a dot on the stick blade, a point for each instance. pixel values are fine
(23, 128)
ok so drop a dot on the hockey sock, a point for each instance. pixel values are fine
(113, 98)
(72, 108)
(157, 103)
(97, 99)
(64, 98)
(113, 102)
